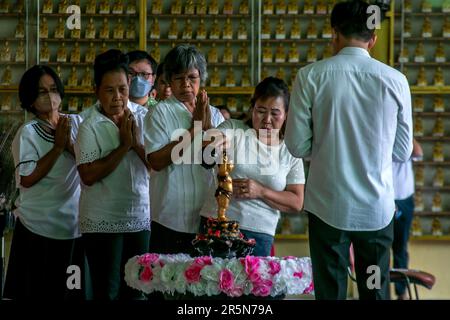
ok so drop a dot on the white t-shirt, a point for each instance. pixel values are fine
(403, 176)
(120, 201)
(178, 191)
(272, 166)
(50, 207)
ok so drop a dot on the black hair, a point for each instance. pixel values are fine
(137, 55)
(159, 71)
(29, 85)
(182, 58)
(350, 19)
(108, 61)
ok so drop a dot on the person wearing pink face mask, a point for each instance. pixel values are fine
(46, 234)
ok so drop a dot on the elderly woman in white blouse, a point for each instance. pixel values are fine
(267, 179)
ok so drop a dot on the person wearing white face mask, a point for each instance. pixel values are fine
(142, 69)
(46, 233)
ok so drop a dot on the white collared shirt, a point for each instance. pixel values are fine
(50, 207)
(120, 201)
(178, 191)
(352, 114)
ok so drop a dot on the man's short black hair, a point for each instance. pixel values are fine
(137, 55)
(350, 19)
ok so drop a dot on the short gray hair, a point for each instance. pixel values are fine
(182, 58)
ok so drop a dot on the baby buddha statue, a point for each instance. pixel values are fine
(436, 227)
(280, 7)
(245, 79)
(418, 202)
(89, 57)
(404, 55)
(416, 227)
(438, 179)
(419, 177)
(321, 8)
(104, 7)
(312, 30)
(187, 30)
(61, 54)
(173, 30)
(293, 56)
(227, 32)
(265, 30)
(73, 104)
(308, 7)
(20, 29)
(104, 30)
(43, 28)
(189, 7)
(312, 53)
(268, 7)
(438, 104)
(201, 30)
(295, 30)
(228, 7)
(439, 77)
(327, 52)
(227, 54)
(243, 7)
(217, 101)
(131, 9)
(327, 33)
(5, 53)
(86, 81)
(6, 102)
(407, 28)
(104, 47)
(87, 102)
(72, 81)
(20, 52)
(243, 54)
(117, 7)
(62, 6)
(213, 56)
(418, 127)
(426, 6)
(280, 55)
(438, 152)
(407, 7)
(419, 104)
(427, 30)
(292, 7)
(155, 31)
(419, 55)
(47, 6)
(131, 30)
(215, 30)
(214, 80)
(201, 7)
(156, 7)
(232, 104)
(242, 31)
(7, 76)
(91, 6)
(75, 53)
(213, 7)
(446, 28)
(446, 6)
(440, 53)
(90, 30)
(44, 54)
(176, 7)
(422, 78)
(281, 74)
(229, 78)
(60, 28)
(118, 30)
(155, 52)
(280, 32)
(437, 203)
(267, 54)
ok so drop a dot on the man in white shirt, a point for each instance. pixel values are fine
(352, 115)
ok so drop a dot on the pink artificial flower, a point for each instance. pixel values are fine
(262, 288)
(251, 264)
(192, 273)
(147, 274)
(309, 289)
(236, 292)
(203, 261)
(289, 257)
(274, 267)
(226, 280)
(298, 274)
(147, 258)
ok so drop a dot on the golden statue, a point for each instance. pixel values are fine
(6, 102)
(407, 7)
(292, 7)
(327, 52)
(75, 53)
(243, 7)
(131, 9)
(439, 77)
(418, 201)
(265, 32)
(47, 6)
(419, 54)
(229, 78)
(62, 7)
(242, 31)
(173, 30)
(75, 33)
(436, 227)
(308, 7)
(155, 30)
(232, 104)
(44, 54)
(176, 7)
(227, 32)
(131, 30)
(243, 54)
(418, 127)
(104, 31)
(280, 73)
(268, 7)
(104, 7)
(438, 179)
(312, 30)
(213, 7)
(267, 54)
(327, 32)
(228, 7)
(437, 203)
(117, 7)
(422, 77)
(90, 6)
(214, 80)
(58, 71)
(426, 6)
(87, 102)
(156, 7)
(407, 29)
(416, 228)
(189, 7)
(86, 81)
(245, 79)
(321, 7)
(20, 29)
(20, 6)
(280, 32)
(438, 152)
(215, 30)
(43, 28)
(72, 81)
(201, 30)
(427, 30)
(201, 7)
(264, 73)
(5, 53)
(280, 55)
(440, 53)
(296, 30)
(286, 226)
(213, 56)
(419, 104)
(90, 53)
(438, 104)
(118, 30)
(280, 7)
(446, 6)
(293, 56)
(7, 76)
(61, 54)
(227, 54)
(90, 30)
(20, 52)
(446, 28)
(60, 28)
(155, 52)
(404, 55)
(311, 56)
(187, 30)
(419, 176)
(72, 106)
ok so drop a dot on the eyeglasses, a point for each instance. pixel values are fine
(182, 79)
(144, 75)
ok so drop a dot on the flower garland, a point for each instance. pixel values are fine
(180, 273)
